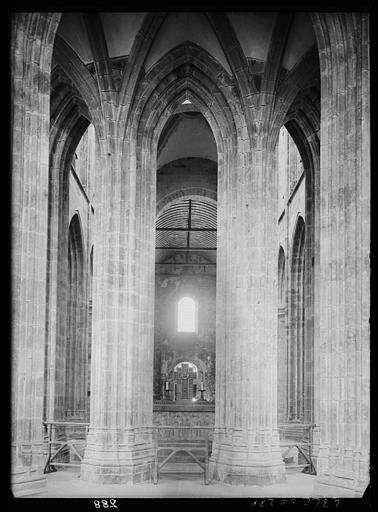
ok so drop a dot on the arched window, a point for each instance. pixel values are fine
(186, 315)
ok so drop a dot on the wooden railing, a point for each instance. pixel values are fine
(171, 438)
(61, 444)
(299, 436)
(182, 439)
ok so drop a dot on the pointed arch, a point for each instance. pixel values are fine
(190, 69)
(65, 134)
(186, 71)
(297, 321)
(75, 376)
(281, 277)
(282, 339)
(305, 132)
(81, 79)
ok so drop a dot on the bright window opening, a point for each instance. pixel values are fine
(186, 366)
(186, 315)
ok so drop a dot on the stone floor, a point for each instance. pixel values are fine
(67, 484)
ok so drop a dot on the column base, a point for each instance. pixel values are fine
(242, 464)
(117, 457)
(246, 475)
(337, 488)
(341, 472)
(116, 473)
(26, 482)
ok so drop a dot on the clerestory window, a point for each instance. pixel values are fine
(186, 317)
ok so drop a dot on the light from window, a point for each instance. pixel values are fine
(187, 365)
(186, 315)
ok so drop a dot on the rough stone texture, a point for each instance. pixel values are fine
(343, 324)
(295, 360)
(66, 195)
(76, 355)
(197, 176)
(297, 317)
(76, 350)
(32, 43)
(172, 347)
(245, 111)
(186, 419)
(282, 357)
(119, 448)
(246, 445)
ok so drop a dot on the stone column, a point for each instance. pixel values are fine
(119, 446)
(32, 42)
(342, 328)
(246, 444)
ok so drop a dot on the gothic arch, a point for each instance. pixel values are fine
(281, 277)
(305, 133)
(186, 67)
(297, 319)
(75, 374)
(66, 133)
(185, 72)
(282, 373)
(81, 80)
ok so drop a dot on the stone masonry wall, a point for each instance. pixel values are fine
(172, 347)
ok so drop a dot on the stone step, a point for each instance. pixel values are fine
(28, 484)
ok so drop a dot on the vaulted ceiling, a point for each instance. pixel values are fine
(253, 30)
(186, 134)
(187, 225)
(258, 35)
(253, 51)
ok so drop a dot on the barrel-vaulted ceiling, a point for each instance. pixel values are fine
(253, 30)
(187, 225)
